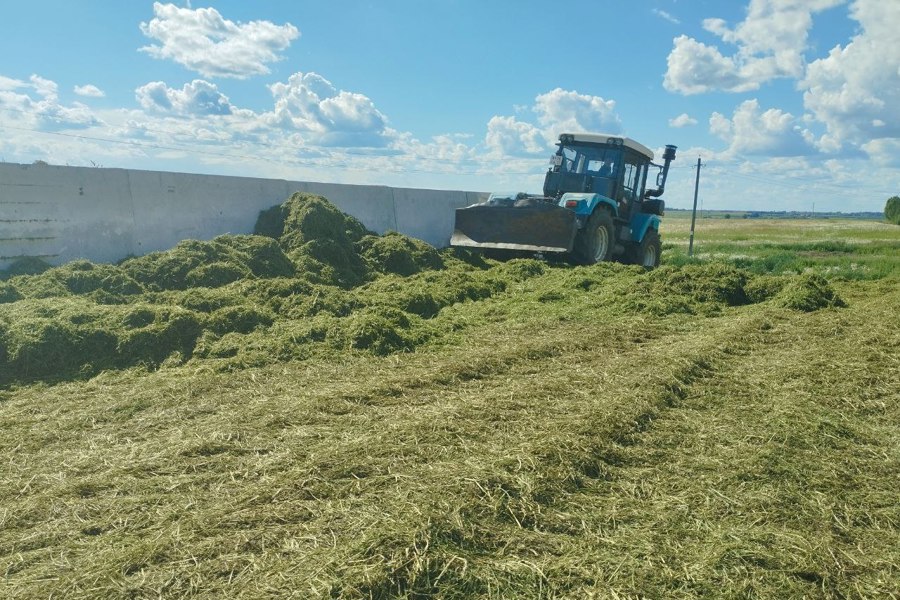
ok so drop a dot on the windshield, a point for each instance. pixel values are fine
(592, 160)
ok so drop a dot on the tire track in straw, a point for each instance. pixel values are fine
(386, 478)
(519, 494)
(773, 477)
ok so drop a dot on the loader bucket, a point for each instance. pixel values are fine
(543, 227)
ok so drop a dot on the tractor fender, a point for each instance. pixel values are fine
(584, 204)
(641, 223)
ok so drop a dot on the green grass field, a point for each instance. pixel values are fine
(378, 420)
(841, 248)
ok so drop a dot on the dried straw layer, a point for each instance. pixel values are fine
(554, 455)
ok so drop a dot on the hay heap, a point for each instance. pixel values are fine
(318, 238)
(313, 280)
(331, 247)
(216, 263)
(808, 293)
(220, 298)
(399, 254)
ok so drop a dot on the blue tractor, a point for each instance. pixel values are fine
(595, 206)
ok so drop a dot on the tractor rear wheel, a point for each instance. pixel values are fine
(647, 252)
(595, 242)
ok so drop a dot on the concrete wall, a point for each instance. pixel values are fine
(64, 213)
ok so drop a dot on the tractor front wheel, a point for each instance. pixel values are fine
(647, 252)
(595, 242)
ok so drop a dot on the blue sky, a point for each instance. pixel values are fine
(791, 104)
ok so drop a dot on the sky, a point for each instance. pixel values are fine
(790, 104)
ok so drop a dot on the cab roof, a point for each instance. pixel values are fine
(607, 138)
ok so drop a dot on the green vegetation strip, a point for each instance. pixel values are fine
(841, 249)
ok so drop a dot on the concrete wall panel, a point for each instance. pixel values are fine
(64, 213)
(428, 214)
(170, 207)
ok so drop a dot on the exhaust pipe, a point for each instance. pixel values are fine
(668, 157)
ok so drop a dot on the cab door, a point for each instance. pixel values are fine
(634, 177)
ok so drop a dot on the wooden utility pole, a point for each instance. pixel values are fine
(694, 212)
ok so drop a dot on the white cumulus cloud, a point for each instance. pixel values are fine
(8, 84)
(695, 68)
(556, 111)
(682, 120)
(884, 151)
(35, 103)
(562, 110)
(89, 91)
(752, 131)
(203, 41)
(44, 87)
(507, 136)
(770, 44)
(310, 104)
(855, 90)
(196, 98)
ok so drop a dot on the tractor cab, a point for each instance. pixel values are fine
(611, 166)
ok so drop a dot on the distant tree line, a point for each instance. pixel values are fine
(892, 210)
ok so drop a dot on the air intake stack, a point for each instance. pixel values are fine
(668, 157)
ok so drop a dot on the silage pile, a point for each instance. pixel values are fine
(313, 280)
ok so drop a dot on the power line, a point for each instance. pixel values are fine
(193, 148)
(282, 162)
(129, 142)
(811, 187)
(185, 134)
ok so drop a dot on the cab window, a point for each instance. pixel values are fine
(589, 159)
(635, 176)
(629, 183)
(569, 159)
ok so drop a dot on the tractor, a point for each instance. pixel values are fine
(595, 206)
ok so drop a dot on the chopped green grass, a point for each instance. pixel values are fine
(356, 423)
(808, 293)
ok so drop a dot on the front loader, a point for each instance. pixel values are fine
(595, 206)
